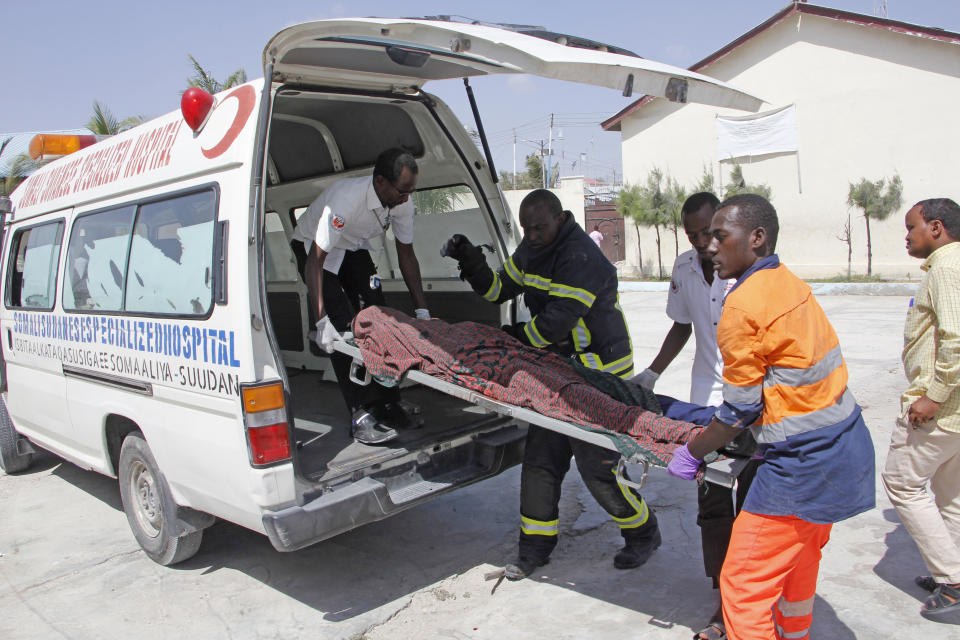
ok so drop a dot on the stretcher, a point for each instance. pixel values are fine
(723, 471)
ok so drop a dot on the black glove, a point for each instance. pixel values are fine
(463, 251)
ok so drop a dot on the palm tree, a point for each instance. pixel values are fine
(19, 169)
(876, 203)
(203, 79)
(104, 123)
(438, 200)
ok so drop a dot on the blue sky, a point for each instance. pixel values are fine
(133, 57)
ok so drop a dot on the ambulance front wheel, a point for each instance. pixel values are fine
(150, 509)
(14, 456)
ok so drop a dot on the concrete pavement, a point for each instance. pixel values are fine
(71, 569)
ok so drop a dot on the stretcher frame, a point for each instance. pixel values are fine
(722, 472)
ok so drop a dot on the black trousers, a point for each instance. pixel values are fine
(546, 461)
(717, 508)
(344, 295)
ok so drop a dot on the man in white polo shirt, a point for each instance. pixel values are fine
(334, 234)
(695, 303)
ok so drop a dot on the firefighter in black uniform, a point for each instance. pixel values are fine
(571, 290)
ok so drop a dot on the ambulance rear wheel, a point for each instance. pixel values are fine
(146, 501)
(11, 460)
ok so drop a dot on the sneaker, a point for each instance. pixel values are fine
(366, 429)
(523, 567)
(637, 551)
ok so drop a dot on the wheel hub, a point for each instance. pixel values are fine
(146, 499)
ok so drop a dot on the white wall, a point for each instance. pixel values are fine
(569, 190)
(870, 103)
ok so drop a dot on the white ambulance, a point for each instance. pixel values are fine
(154, 323)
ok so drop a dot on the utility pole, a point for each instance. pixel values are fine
(514, 159)
(549, 161)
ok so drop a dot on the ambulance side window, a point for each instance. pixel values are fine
(96, 259)
(171, 257)
(32, 266)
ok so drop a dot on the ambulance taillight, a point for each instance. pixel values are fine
(265, 419)
(45, 146)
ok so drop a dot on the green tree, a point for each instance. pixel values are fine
(629, 205)
(647, 206)
(674, 196)
(877, 200)
(204, 79)
(438, 200)
(706, 182)
(532, 178)
(104, 123)
(738, 185)
(19, 170)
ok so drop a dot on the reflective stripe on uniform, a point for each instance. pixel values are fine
(641, 514)
(794, 425)
(581, 295)
(510, 268)
(621, 367)
(494, 291)
(581, 335)
(793, 609)
(533, 335)
(792, 635)
(533, 527)
(802, 377)
(742, 395)
(535, 281)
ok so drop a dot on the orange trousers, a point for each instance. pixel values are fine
(769, 577)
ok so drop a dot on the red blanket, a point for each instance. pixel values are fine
(487, 360)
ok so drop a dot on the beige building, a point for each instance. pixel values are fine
(855, 95)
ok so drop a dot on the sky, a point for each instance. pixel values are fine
(133, 58)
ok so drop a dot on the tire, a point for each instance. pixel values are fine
(150, 510)
(11, 460)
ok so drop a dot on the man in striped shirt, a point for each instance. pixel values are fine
(925, 444)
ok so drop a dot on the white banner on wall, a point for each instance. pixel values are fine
(758, 134)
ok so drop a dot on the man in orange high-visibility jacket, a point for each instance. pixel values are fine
(782, 364)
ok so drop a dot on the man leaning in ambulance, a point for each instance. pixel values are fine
(571, 291)
(782, 363)
(332, 245)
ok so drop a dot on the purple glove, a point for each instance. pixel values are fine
(684, 465)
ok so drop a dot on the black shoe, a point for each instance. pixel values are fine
(523, 567)
(394, 415)
(926, 583)
(366, 429)
(638, 550)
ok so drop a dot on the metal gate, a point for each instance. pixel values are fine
(605, 217)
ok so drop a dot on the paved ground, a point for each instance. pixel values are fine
(71, 569)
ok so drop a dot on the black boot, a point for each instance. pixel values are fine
(640, 545)
(523, 567)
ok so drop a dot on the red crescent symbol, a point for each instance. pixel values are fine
(246, 97)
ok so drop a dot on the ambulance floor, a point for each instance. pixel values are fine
(325, 448)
